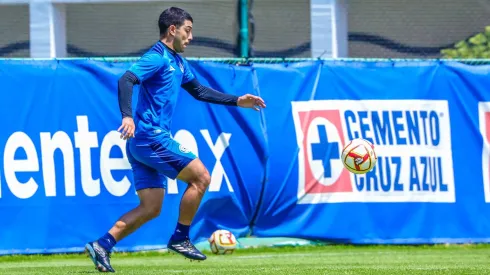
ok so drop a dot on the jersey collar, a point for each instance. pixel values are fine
(166, 47)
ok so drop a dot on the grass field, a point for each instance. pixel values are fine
(474, 259)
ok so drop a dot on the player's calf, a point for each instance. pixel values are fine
(198, 179)
(135, 219)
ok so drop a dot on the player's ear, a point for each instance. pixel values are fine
(172, 29)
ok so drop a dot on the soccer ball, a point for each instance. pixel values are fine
(222, 242)
(359, 156)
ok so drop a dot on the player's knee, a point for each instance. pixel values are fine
(152, 211)
(206, 178)
(203, 181)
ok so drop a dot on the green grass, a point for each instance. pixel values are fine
(300, 260)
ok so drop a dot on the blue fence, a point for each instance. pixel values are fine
(64, 176)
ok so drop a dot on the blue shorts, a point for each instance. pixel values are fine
(154, 159)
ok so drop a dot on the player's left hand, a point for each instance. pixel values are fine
(127, 128)
(251, 101)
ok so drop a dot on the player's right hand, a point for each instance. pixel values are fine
(127, 128)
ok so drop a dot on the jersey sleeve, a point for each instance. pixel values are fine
(147, 66)
(188, 75)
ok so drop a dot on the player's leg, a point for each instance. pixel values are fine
(150, 188)
(197, 177)
(171, 159)
(175, 161)
(149, 208)
(151, 200)
(187, 168)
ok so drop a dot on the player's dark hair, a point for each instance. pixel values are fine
(172, 16)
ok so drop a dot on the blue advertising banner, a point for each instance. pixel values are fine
(65, 178)
(423, 118)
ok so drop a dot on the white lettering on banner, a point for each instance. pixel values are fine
(16, 141)
(412, 141)
(108, 164)
(62, 141)
(484, 120)
(218, 173)
(85, 141)
(218, 149)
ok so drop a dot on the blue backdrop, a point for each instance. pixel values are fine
(65, 179)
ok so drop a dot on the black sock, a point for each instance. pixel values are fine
(107, 241)
(181, 232)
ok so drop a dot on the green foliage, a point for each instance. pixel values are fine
(477, 46)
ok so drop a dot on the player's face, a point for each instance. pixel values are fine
(183, 36)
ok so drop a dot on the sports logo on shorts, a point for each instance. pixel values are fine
(412, 144)
(484, 118)
(183, 149)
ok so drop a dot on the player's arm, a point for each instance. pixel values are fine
(125, 93)
(208, 94)
(203, 93)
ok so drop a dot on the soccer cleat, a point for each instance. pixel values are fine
(99, 256)
(186, 249)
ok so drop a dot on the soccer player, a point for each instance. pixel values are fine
(151, 150)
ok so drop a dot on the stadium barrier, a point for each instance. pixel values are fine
(65, 179)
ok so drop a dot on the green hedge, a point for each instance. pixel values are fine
(477, 46)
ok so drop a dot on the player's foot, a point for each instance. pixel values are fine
(99, 256)
(186, 249)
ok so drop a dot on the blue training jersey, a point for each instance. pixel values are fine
(160, 72)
